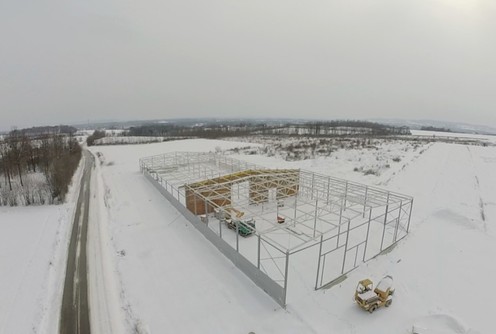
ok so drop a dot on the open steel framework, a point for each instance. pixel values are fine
(301, 221)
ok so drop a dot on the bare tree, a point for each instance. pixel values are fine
(18, 145)
(5, 163)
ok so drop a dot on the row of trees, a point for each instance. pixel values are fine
(36, 170)
(203, 131)
(433, 128)
(44, 130)
(323, 129)
(337, 129)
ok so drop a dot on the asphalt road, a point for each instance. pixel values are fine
(74, 317)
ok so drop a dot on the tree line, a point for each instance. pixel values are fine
(44, 130)
(324, 129)
(436, 129)
(23, 159)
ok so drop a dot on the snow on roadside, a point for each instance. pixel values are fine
(105, 296)
(33, 249)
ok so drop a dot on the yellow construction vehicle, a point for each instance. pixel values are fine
(371, 299)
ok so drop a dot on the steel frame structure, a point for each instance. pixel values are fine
(337, 223)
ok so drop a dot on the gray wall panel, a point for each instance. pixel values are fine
(258, 277)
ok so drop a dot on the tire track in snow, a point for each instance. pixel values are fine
(406, 165)
(477, 188)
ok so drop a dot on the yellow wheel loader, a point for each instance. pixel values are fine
(371, 299)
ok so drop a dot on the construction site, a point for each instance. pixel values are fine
(275, 224)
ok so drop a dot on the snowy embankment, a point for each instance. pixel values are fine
(173, 280)
(33, 252)
(106, 314)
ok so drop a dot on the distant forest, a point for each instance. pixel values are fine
(332, 128)
(433, 128)
(45, 130)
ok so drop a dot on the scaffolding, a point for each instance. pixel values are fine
(273, 222)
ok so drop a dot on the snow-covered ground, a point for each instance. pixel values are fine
(487, 138)
(152, 272)
(172, 280)
(33, 251)
(375, 165)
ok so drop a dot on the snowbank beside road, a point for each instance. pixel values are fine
(105, 300)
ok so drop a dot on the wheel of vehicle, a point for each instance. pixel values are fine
(388, 302)
(372, 308)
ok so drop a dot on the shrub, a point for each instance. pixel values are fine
(96, 135)
(370, 172)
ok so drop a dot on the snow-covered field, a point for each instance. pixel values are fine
(33, 247)
(152, 272)
(491, 139)
(375, 164)
(172, 280)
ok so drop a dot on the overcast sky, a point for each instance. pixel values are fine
(68, 61)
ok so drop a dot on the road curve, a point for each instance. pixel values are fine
(74, 315)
